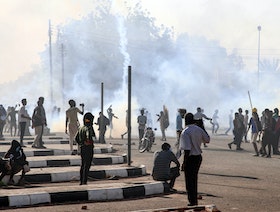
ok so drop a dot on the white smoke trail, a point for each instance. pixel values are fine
(123, 49)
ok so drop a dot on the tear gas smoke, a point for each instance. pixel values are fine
(179, 72)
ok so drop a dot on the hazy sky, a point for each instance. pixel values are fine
(233, 23)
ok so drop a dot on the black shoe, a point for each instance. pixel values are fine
(229, 146)
(239, 148)
(173, 190)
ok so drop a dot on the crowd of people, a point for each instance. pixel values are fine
(190, 131)
(265, 131)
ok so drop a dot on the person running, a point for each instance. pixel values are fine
(198, 117)
(230, 122)
(111, 115)
(215, 123)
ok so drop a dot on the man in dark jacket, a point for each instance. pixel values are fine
(85, 138)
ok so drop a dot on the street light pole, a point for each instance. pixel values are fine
(259, 29)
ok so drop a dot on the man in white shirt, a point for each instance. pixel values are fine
(23, 118)
(190, 141)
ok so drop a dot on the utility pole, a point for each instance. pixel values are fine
(62, 49)
(129, 117)
(50, 51)
(259, 43)
(101, 117)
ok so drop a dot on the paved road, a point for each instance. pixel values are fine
(232, 180)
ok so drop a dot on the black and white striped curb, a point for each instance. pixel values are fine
(83, 193)
(50, 152)
(62, 161)
(66, 174)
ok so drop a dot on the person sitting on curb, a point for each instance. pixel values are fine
(162, 170)
(17, 163)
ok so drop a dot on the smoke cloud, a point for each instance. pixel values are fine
(178, 72)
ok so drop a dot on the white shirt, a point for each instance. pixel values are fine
(191, 139)
(22, 111)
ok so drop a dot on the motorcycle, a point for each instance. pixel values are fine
(147, 141)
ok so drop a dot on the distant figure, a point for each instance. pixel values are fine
(7, 121)
(111, 115)
(142, 121)
(85, 138)
(241, 119)
(230, 120)
(38, 122)
(179, 127)
(3, 115)
(126, 124)
(276, 142)
(256, 129)
(162, 170)
(23, 119)
(102, 123)
(268, 132)
(163, 119)
(13, 120)
(72, 123)
(162, 126)
(238, 132)
(198, 117)
(246, 120)
(215, 122)
(149, 119)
